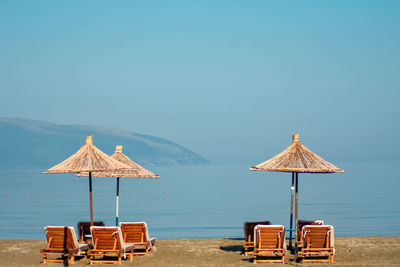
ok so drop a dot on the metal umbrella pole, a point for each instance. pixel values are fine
(291, 213)
(117, 203)
(91, 198)
(297, 205)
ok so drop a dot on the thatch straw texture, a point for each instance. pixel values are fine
(88, 158)
(297, 158)
(135, 171)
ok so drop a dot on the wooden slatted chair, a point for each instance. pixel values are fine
(108, 242)
(137, 233)
(61, 241)
(301, 224)
(318, 244)
(269, 243)
(248, 228)
(84, 231)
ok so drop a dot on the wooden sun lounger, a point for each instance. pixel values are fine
(84, 231)
(269, 242)
(137, 233)
(248, 228)
(61, 241)
(301, 224)
(108, 242)
(318, 244)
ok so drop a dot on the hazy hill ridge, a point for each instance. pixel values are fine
(30, 143)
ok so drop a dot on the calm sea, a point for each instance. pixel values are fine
(204, 201)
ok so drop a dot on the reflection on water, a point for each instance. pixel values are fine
(204, 201)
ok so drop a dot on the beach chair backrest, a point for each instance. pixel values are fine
(248, 228)
(134, 232)
(269, 236)
(107, 238)
(302, 223)
(61, 237)
(84, 228)
(318, 236)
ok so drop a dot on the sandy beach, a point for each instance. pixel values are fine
(350, 251)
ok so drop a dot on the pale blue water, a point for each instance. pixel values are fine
(204, 201)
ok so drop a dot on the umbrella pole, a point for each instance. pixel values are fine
(297, 206)
(117, 203)
(91, 198)
(291, 212)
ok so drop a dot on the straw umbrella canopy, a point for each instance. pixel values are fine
(135, 171)
(296, 158)
(88, 159)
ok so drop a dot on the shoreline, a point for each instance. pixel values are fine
(350, 251)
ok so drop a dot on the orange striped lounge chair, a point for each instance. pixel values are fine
(61, 241)
(137, 233)
(248, 228)
(318, 244)
(301, 224)
(269, 243)
(108, 244)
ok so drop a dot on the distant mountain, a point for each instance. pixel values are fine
(29, 144)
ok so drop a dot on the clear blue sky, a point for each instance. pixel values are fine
(232, 80)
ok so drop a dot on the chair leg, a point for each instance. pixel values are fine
(153, 245)
(119, 259)
(71, 259)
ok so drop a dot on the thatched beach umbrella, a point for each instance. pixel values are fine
(296, 158)
(135, 171)
(88, 159)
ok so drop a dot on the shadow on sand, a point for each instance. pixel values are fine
(232, 248)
